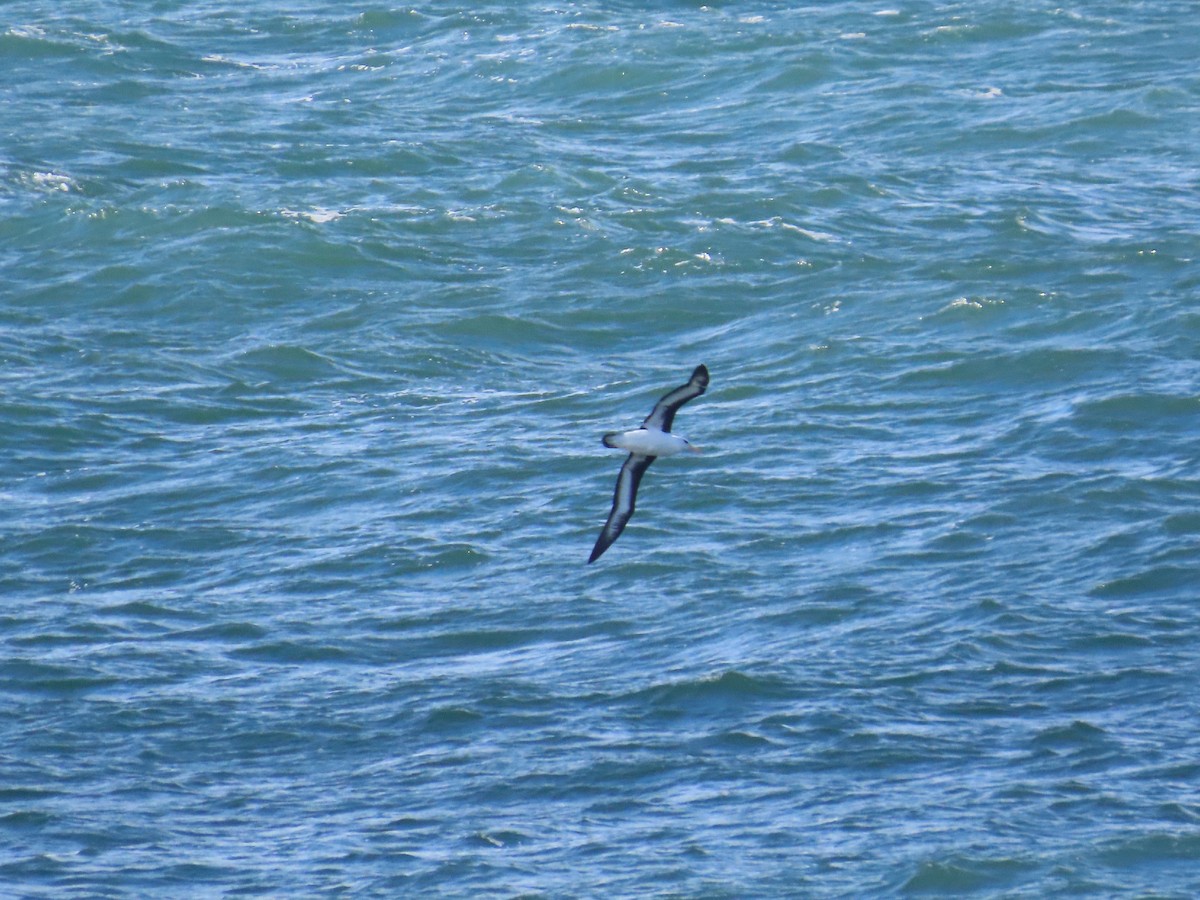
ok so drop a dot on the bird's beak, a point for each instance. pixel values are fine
(693, 448)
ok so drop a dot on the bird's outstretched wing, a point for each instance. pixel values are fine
(663, 414)
(624, 498)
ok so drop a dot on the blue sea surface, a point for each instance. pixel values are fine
(312, 316)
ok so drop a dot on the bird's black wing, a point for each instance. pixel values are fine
(663, 414)
(624, 498)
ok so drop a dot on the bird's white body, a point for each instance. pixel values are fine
(647, 442)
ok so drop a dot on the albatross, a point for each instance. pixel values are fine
(646, 444)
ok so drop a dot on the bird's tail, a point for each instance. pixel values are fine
(607, 440)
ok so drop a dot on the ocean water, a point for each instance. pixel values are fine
(312, 316)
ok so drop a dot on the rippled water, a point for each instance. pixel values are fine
(313, 317)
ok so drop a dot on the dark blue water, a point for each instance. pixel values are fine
(311, 321)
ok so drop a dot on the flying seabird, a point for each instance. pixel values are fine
(646, 444)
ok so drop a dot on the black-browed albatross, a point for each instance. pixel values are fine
(646, 444)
